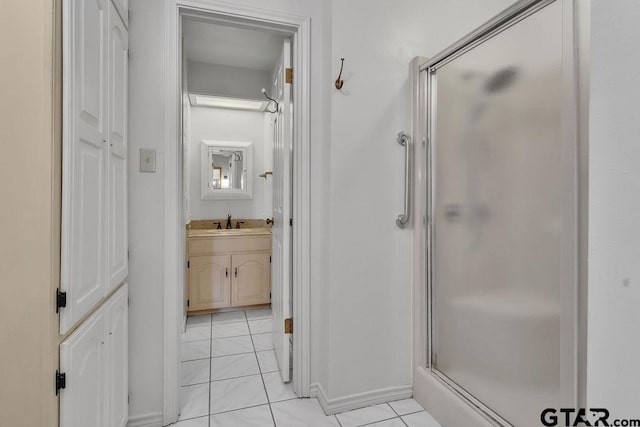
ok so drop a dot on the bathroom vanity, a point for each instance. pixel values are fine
(228, 268)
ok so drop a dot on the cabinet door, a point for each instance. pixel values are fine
(209, 282)
(82, 360)
(117, 367)
(117, 138)
(251, 279)
(84, 226)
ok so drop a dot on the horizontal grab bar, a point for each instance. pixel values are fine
(405, 140)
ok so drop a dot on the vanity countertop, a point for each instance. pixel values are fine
(228, 232)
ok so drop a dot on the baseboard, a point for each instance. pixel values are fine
(359, 400)
(146, 420)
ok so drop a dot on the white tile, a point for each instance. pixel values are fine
(199, 320)
(197, 333)
(195, 350)
(395, 422)
(237, 393)
(301, 412)
(368, 415)
(228, 317)
(260, 326)
(406, 406)
(225, 330)
(239, 365)
(259, 416)
(260, 313)
(276, 389)
(262, 341)
(194, 401)
(267, 360)
(233, 345)
(421, 419)
(194, 372)
(193, 422)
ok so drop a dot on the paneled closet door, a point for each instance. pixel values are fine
(82, 360)
(85, 152)
(117, 136)
(116, 315)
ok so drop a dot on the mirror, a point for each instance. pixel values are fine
(226, 170)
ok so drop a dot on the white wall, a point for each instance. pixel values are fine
(369, 317)
(226, 81)
(614, 209)
(146, 201)
(215, 124)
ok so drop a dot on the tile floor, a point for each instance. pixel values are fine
(230, 378)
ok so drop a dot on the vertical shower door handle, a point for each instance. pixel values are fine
(403, 219)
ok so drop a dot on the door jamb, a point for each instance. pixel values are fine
(299, 28)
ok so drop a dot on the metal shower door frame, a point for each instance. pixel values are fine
(574, 219)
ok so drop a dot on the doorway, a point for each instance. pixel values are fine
(294, 302)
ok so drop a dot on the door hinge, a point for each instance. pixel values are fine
(128, 254)
(188, 303)
(288, 75)
(188, 264)
(61, 381)
(290, 222)
(269, 259)
(128, 53)
(128, 398)
(288, 326)
(61, 300)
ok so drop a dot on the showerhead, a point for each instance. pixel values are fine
(501, 79)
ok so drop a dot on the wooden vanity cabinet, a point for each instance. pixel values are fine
(209, 282)
(228, 271)
(251, 282)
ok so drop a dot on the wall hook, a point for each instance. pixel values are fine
(264, 92)
(339, 81)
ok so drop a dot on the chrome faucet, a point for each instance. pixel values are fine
(229, 222)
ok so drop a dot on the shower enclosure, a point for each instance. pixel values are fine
(500, 207)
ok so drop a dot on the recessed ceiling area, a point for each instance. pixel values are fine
(231, 46)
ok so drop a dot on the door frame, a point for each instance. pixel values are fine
(299, 29)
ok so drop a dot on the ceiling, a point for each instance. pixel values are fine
(231, 46)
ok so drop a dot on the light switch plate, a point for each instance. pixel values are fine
(147, 160)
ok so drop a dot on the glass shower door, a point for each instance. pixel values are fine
(497, 218)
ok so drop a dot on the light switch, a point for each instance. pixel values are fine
(147, 160)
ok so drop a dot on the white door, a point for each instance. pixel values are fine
(84, 157)
(117, 378)
(281, 247)
(82, 361)
(117, 138)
